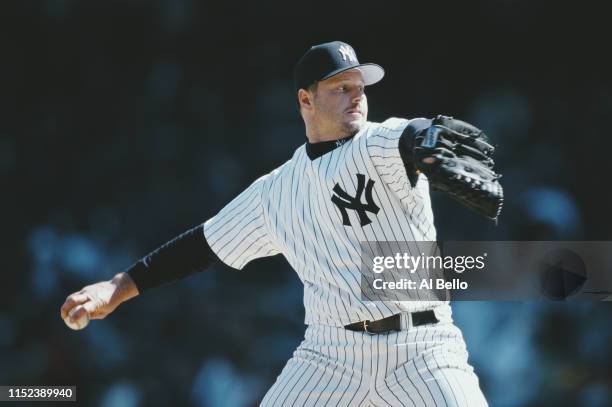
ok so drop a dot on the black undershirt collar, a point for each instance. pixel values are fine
(316, 150)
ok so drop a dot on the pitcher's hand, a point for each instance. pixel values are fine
(100, 299)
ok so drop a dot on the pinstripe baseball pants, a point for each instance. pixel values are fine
(424, 366)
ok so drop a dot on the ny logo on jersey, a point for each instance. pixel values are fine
(340, 142)
(347, 53)
(344, 201)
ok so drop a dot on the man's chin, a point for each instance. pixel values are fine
(352, 127)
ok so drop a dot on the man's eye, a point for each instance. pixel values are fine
(341, 88)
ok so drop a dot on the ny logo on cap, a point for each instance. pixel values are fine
(347, 53)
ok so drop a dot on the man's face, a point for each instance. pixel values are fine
(340, 104)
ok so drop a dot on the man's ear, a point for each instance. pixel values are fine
(305, 99)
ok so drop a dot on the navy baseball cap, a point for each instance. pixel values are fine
(323, 61)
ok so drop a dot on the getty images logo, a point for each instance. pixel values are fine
(344, 201)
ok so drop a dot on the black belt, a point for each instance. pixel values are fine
(392, 323)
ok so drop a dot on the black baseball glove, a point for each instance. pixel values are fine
(456, 158)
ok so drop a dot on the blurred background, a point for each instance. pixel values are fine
(125, 123)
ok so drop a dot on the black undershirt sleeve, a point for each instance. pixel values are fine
(187, 254)
(406, 145)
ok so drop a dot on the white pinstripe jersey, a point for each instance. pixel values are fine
(290, 211)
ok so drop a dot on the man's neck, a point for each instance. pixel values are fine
(319, 135)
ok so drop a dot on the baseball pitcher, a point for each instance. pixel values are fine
(353, 181)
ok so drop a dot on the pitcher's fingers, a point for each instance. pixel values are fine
(72, 301)
(77, 312)
(93, 310)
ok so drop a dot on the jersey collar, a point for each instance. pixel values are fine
(316, 150)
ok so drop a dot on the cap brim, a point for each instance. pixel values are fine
(371, 73)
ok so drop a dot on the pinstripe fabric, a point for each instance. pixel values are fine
(239, 232)
(421, 367)
(292, 211)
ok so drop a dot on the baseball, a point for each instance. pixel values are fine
(79, 323)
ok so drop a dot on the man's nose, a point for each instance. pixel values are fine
(357, 95)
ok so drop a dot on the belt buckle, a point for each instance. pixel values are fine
(365, 328)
